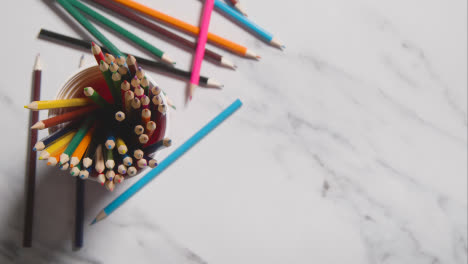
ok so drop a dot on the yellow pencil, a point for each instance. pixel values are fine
(121, 147)
(58, 144)
(40, 105)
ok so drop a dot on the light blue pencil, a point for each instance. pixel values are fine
(265, 35)
(168, 161)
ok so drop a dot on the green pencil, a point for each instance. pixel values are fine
(117, 80)
(93, 95)
(122, 31)
(92, 29)
(104, 67)
(65, 156)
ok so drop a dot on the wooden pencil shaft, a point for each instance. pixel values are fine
(153, 64)
(222, 42)
(187, 44)
(86, 24)
(61, 103)
(53, 121)
(117, 28)
(31, 171)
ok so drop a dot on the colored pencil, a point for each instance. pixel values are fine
(132, 171)
(31, 171)
(200, 51)
(121, 147)
(109, 161)
(80, 187)
(99, 158)
(120, 116)
(142, 163)
(224, 43)
(61, 103)
(66, 4)
(110, 142)
(127, 160)
(79, 210)
(80, 134)
(46, 141)
(55, 157)
(246, 22)
(122, 169)
(161, 67)
(84, 174)
(101, 178)
(118, 178)
(97, 52)
(96, 97)
(238, 7)
(167, 142)
(122, 31)
(69, 116)
(139, 129)
(109, 58)
(110, 185)
(132, 64)
(143, 181)
(77, 155)
(57, 145)
(91, 150)
(117, 80)
(75, 171)
(185, 43)
(107, 74)
(160, 119)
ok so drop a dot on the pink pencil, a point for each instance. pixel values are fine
(200, 52)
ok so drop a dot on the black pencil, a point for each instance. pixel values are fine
(86, 44)
(79, 213)
(31, 171)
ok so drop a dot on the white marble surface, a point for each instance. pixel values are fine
(351, 146)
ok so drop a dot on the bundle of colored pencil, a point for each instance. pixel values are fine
(107, 140)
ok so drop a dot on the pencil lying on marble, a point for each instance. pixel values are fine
(238, 6)
(177, 23)
(122, 31)
(31, 172)
(142, 182)
(185, 43)
(246, 22)
(200, 51)
(88, 26)
(162, 67)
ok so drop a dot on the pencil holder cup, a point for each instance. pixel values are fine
(91, 76)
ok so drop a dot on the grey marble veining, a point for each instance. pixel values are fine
(351, 145)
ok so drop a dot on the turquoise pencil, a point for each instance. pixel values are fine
(168, 161)
(265, 35)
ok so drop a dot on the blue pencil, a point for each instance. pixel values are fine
(44, 142)
(265, 35)
(168, 161)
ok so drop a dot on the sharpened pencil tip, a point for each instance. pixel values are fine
(35, 149)
(93, 222)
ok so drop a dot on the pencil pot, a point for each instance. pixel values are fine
(113, 128)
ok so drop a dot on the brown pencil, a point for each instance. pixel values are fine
(31, 172)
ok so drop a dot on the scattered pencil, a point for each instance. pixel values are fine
(31, 171)
(246, 22)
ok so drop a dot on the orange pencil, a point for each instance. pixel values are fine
(80, 150)
(53, 121)
(55, 156)
(222, 42)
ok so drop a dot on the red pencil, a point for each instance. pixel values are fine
(97, 52)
